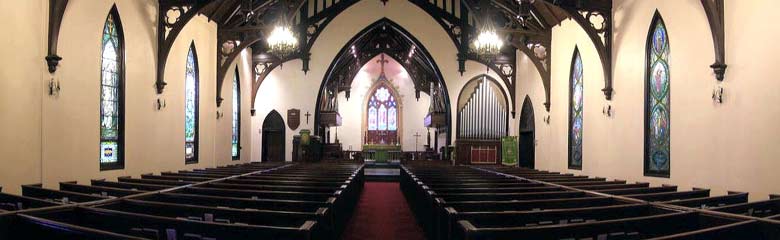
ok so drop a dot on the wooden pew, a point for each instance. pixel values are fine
(28, 227)
(712, 202)
(129, 185)
(613, 186)
(626, 228)
(765, 208)
(669, 196)
(155, 181)
(548, 217)
(640, 190)
(37, 191)
(258, 194)
(275, 187)
(97, 190)
(9, 202)
(227, 215)
(130, 224)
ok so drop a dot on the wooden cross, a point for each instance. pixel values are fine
(382, 62)
(307, 117)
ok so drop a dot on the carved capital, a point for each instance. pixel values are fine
(719, 69)
(52, 61)
(160, 85)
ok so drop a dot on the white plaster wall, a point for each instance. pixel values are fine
(720, 146)
(289, 87)
(22, 74)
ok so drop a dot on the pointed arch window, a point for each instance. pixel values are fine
(382, 115)
(191, 92)
(657, 101)
(575, 111)
(236, 140)
(112, 94)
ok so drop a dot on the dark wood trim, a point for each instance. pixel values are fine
(56, 13)
(603, 47)
(168, 31)
(715, 16)
(420, 48)
(542, 65)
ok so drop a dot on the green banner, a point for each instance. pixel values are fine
(509, 150)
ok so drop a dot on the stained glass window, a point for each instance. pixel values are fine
(111, 94)
(575, 111)
(191, 107)
(382, 116)
(657, 137)
(236, 140)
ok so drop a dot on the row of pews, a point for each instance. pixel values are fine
(245, 201)
(463, 202)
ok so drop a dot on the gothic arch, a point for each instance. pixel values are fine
(422, 56)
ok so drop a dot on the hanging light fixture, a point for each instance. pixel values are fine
(487, 44)
(282, 41)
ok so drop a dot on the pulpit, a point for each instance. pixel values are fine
(307, 148)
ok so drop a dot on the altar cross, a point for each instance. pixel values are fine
(307, 117)
(416, 137)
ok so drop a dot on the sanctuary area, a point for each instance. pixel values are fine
(389, 119)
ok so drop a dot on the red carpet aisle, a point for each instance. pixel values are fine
(382, 213)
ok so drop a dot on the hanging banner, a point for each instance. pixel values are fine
(509, 150)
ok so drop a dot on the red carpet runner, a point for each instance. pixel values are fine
(382, 213)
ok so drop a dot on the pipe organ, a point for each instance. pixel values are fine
(482, 121)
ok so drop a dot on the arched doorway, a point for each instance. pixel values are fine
(526, 138)
(273, 138)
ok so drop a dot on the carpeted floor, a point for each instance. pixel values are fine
(382, 213)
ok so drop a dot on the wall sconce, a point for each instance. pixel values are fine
(220, 114)
(546, 119)
(54, 87)
(717, 94)
(607, 110)
(160, 104)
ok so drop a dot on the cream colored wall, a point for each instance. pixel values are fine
(289, 87)
(720, 146)
(22, 73)
(51, 139)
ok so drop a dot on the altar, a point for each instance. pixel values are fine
(382, 153)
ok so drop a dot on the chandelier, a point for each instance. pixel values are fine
(487, 44)
(282, 41)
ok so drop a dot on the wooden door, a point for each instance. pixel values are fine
(526, 140)
(273, 138)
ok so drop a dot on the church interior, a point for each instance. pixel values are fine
(389, 119)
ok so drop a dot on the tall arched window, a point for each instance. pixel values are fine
(112, 94)
(575, 112)
(191, 107)
(236, 140)
(382, 115)
(657, 94)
